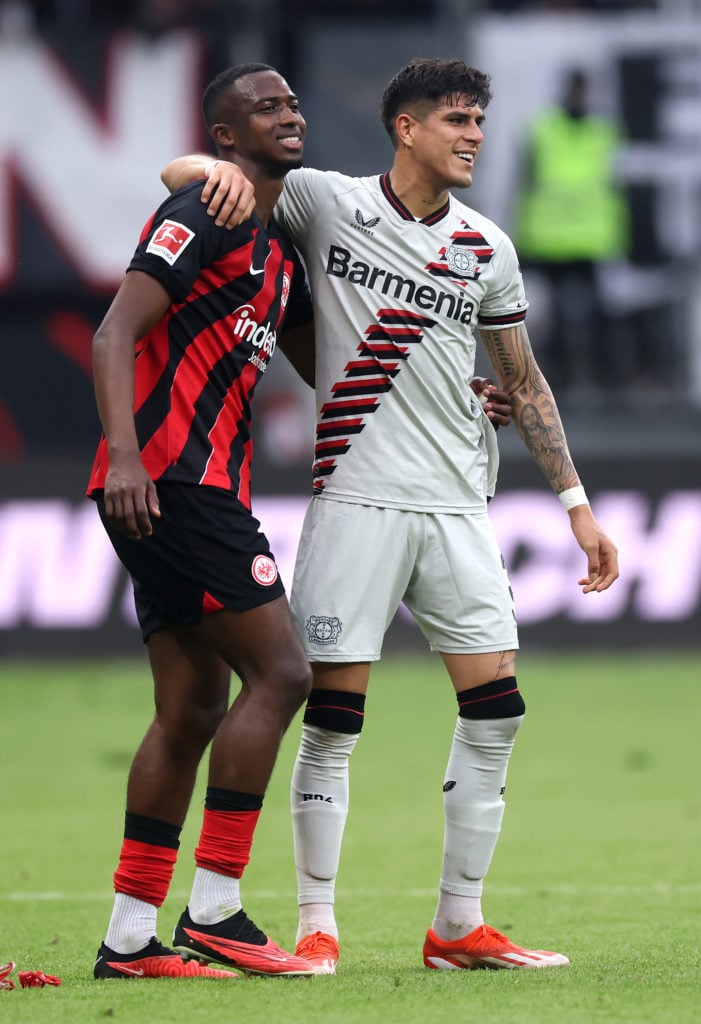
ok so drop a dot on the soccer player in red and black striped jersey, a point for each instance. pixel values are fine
(177, 357)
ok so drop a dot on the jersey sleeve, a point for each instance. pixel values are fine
(505, 303)
(304, 189)
(179, 241)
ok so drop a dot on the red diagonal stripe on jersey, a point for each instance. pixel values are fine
(402, 314)
(345, 423)
(370, 365)
(192, 376)
(224, 429)
(154, 348)
(409, 327)
(474, 237)
(323, 446)
(378, 382)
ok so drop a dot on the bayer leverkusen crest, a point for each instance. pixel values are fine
(462, 262)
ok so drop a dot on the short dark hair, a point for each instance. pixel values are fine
(219, 85)
(425, 82)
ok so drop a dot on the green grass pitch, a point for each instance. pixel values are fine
(600, 854)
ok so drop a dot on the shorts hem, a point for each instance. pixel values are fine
(349, 659)
(510, 645)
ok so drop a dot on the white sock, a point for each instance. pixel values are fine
(474, 807)
(319, 804)
(132, 924)
(214, 897)
(316, 917)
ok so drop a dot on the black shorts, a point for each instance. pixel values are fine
(206, 553)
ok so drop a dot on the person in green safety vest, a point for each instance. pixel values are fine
(572, 218)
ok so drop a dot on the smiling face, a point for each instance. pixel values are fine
(442, 142)
(259, 124)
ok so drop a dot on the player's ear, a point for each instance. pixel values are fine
(404, 129)
(222, 135)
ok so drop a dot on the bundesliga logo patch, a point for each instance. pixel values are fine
(264, 570)
(170, 240)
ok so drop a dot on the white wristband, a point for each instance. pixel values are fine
(573, 496)
(210, 167)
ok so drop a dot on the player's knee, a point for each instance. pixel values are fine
(193, 727)
(500, 698)
(335, 711)
(294, 683)
(204, 721)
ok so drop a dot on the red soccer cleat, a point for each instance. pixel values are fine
(485, 947)
(236, 942)
(321, 950)
(153, 961)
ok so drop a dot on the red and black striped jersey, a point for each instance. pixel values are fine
(196, 370)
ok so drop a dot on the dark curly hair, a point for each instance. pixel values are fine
(425, 83)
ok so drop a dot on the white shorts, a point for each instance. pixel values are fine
(357, 563)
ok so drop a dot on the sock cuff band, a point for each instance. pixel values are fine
(335, 710)
(151, 831)
(218, 799)
(498, 699)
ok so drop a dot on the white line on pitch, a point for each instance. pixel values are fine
(275, 894)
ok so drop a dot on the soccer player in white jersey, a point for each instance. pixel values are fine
(401, 273)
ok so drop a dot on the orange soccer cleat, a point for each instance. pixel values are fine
(321, 950)
(485, 947)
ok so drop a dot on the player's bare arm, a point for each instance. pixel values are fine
(538, 422)
(130, 493)
(228, 192)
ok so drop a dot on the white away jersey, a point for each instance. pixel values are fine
(396, 301)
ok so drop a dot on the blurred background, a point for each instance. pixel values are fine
(591, 162)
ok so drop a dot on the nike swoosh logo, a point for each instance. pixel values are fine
(256, 272)
(128, 970)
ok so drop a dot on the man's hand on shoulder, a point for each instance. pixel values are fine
(227, 191)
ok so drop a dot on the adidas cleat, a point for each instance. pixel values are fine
(236, 942)
(320, 950)
(485, 947)
(153, 961)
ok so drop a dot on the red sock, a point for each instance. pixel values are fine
(145, 871)
(225, 841)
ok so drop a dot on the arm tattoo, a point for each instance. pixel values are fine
(534, 411)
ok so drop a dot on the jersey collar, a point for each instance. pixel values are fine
(394, 201)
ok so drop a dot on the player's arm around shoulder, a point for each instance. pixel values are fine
(537, 419)
(228, 194)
